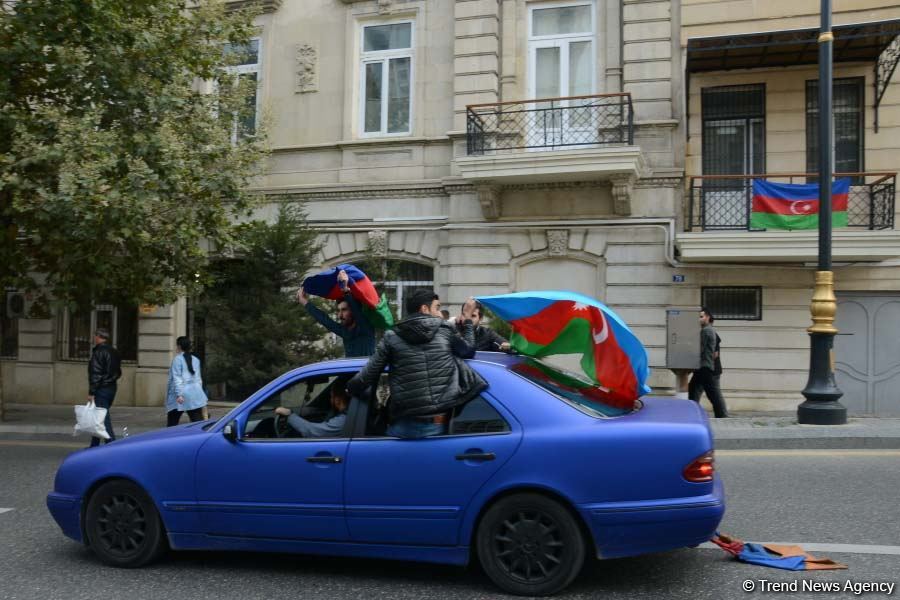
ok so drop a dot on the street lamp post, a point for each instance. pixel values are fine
(822, 406)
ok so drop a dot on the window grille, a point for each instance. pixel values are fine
(733, 303)
(734, 143)
(848, 97)
(75, 332)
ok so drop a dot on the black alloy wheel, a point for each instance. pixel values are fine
(530, 545)
(123, 526)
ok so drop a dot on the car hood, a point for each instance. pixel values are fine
(163, 433)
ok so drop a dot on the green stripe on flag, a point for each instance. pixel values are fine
(575, 338)
(381, 316)
(763, 220)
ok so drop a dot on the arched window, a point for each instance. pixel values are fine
(396, 278)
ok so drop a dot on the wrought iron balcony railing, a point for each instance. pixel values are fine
(550, 123)
(723, 202)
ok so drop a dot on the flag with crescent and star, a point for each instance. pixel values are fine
(796, 205)
(545, 323)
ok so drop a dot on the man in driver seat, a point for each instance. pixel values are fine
(330, 427)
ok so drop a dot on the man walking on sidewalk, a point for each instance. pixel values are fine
(706, 378)
(104, 370)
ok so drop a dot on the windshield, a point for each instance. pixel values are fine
(573, 388)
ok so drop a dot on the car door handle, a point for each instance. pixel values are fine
(476, 456)
(323, 459)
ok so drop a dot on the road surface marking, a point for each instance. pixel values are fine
(834, 548)
(814, 452)
(3, 510)
(47, 444)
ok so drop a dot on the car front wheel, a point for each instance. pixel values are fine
(122, 525)
(530, 545)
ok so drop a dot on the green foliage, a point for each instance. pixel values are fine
(497, 324)
(117, 164)
(255, 329)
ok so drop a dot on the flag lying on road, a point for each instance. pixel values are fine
(795, 205)
(325, 284)
(545, 323)
(778, 556)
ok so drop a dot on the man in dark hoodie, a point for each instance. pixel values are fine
(427, 377)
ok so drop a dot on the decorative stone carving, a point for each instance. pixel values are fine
(622, 186)
(307, 69)
(489, 197)
(378, 242)
(558, 242)
(384, 6)
(266, 6)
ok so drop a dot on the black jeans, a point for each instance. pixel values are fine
(174, 415)
(707, 381)
(103, 398)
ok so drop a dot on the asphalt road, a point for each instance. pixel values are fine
(821, 497)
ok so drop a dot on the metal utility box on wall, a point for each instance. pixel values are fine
(683, 338)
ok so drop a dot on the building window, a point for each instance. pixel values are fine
(75, 337)
(397, 278)
(13, 307)
(848, 96)
(734, 129)
(386, 68)
(734, 143)
(733, 303)
(561, 65)
(244, 61)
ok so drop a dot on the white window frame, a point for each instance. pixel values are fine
(555, 40)
(239, 70)
(562, 41)
(384, 57)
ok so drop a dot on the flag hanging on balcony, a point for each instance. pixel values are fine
(796, 205)
(546, 323)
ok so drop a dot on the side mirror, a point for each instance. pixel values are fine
(230, 431)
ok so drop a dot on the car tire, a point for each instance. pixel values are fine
(530, 545)
(122, 525)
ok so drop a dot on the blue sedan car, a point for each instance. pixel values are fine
(532, 477)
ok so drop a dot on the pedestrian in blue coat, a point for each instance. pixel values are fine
(185, 390)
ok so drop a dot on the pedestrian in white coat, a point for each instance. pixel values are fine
(185, 389)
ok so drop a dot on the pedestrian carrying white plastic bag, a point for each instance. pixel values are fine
(89, 419)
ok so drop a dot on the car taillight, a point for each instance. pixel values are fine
(701, 469)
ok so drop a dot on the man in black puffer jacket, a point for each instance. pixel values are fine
(427, 378)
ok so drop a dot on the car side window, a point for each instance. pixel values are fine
(477, 416)
(310, 398)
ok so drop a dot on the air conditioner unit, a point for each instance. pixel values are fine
(18, 305)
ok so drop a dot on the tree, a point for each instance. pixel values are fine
(255, 329)
(117, 154)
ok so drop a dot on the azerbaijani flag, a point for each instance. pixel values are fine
(325, 284)
(552, 322)
(796, 205)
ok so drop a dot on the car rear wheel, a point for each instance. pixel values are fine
(530, 545)
(122, 525)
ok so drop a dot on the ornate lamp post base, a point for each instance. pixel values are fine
(821, 392)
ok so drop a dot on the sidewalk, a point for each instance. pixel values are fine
(742, 431)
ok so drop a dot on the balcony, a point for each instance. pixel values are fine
(577, 138)
(717, 222)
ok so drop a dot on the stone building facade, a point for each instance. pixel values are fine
(502, 145)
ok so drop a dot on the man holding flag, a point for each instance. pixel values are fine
(354, 329)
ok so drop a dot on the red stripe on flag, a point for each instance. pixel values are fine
(612, 366)
(780, 206)
(545, 325)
